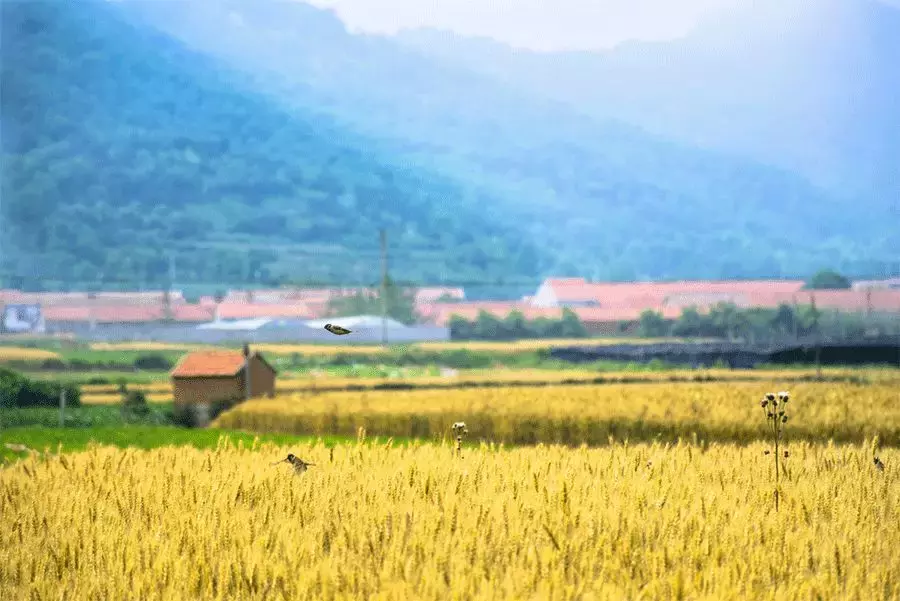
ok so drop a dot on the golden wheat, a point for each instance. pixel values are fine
(324, 381)
(538, 343)
(145, 346)
(579, 414)
(321, 349)
(471, 345)
(371, 522)
(18, 353)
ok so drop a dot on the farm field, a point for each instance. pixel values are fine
(397, 522)
(592, 414)
(15, 353)
(161, 391)
(349, 347)
(54, 440)
(11, 350)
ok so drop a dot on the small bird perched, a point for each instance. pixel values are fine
(298, 464)
(19, 448)
(879, 465)
(336, 330)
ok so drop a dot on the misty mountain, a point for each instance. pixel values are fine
(122, 149)
(809, 85)
(610, 199)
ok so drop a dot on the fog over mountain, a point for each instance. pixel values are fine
(808, 85)
(275, 133)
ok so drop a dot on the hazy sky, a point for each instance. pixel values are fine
(535, 24)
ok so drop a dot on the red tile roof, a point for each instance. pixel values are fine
(295, 310)
(616, 314)
(193, 313)
(440, 314)
(83, 298)
(127, 313)
(209, 364)
(289, 295)
(632, 293)
(617, 302)
(852, 300)
(104, 314)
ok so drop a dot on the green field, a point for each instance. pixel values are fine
(69, 440)
(85, 416)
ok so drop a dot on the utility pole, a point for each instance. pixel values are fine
(384, 281)
(796, 320)
(167, 295)
(248, 391)
(62, 408)
(815, 313)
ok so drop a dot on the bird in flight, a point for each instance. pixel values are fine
(336, 330)
(298, 464)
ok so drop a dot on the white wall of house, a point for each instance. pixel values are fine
(545, 297)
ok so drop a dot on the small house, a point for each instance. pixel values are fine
(204, 377)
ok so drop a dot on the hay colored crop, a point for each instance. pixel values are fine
(19, 353)
(323, 381)
(144, 346)
(372, 522)
(715, 411)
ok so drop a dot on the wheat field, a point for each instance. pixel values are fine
(370, 349)
(417, 522)
(146, 345)
(581, 414)
(108, 393)
(20, 353)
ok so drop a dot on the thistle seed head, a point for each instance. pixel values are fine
(784, 419)
(459, 428)
(784, 396)
(770, 397)
(764, 403)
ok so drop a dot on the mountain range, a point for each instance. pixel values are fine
(254, 134)
(808, 85)
(128, 157)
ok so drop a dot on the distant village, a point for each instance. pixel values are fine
(300, 313)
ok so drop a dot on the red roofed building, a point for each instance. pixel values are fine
(577, 292)
(70, 315)
(439, 314)
(220, 375)
(286, 310)
(47, 299)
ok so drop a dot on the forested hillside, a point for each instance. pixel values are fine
(129, 157)
(121, 149)
(610, 200)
